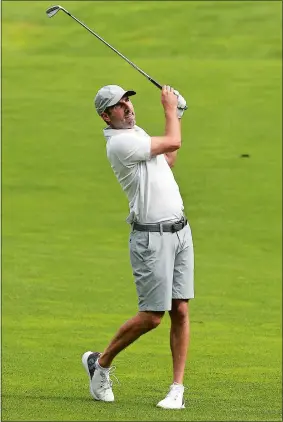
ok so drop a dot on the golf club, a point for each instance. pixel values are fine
(51, 11)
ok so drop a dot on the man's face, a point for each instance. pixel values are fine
(121, 115)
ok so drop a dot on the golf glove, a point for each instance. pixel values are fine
(181, 104)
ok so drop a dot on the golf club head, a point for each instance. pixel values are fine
(53, 10)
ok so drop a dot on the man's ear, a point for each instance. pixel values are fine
(105, 117)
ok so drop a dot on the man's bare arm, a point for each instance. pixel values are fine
(171, 140)
(172, 156)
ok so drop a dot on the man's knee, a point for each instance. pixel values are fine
(156, 318)
(152, 319)
(179, 309)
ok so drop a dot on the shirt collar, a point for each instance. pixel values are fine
(109, 131)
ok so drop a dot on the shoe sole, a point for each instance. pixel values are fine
(171, 408)
(84, 362)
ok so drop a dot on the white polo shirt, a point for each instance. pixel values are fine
(148, 182)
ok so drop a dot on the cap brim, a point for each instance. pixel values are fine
(129, 93)
(118, 98)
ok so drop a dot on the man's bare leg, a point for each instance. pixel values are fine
(128, 333)
(179, 337)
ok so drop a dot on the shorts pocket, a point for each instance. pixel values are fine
(141, 245)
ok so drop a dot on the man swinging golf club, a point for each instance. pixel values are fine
(161, 248)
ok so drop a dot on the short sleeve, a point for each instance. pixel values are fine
(131, 148)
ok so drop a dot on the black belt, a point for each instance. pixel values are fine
(161, 227)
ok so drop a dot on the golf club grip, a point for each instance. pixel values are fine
(155, 83)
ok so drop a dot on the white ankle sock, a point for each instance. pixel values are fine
(180, 386)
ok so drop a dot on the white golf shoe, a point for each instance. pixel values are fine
(174, 399)
(100, 384)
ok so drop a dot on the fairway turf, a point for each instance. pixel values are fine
(66, 278)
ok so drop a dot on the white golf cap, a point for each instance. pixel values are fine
(108, 96)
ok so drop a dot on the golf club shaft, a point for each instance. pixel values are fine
(114, 49)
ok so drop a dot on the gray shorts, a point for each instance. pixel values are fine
(163, 267)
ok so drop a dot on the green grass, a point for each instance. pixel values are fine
(67, 283)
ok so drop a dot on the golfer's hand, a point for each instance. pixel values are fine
(181, 107)
(169, 100)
